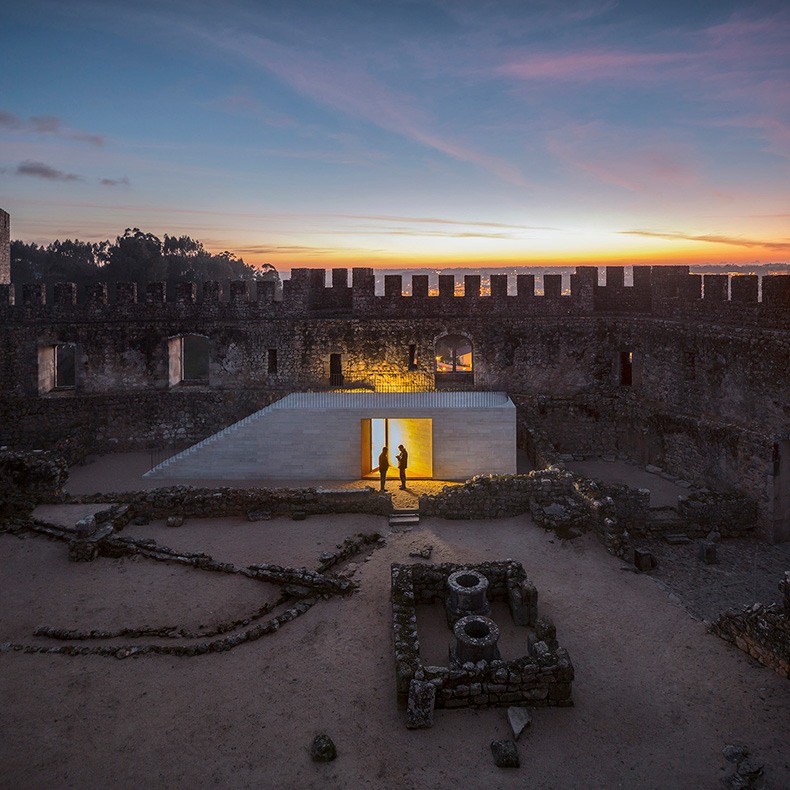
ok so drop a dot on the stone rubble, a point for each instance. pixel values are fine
(323, 749)
(519, 718)
(505, 754)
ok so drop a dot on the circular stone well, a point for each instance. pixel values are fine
(476, 639)
(468, 592)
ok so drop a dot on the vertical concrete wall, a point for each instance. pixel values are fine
(315, 444)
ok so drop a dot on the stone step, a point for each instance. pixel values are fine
(404, 518)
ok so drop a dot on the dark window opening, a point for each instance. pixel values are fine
(335, 370)
(412, 357)
(626, 368)
(65, 366)
(272, 360)
(194, 358)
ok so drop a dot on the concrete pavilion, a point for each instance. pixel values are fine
(339, 435)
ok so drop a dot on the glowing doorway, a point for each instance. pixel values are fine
(415, 435)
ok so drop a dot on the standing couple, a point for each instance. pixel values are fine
(384, 464)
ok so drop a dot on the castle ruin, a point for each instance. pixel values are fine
(684, 371)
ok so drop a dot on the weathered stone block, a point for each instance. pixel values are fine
(419, 710)
(505, 754)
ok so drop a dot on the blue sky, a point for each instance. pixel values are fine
(404, 133)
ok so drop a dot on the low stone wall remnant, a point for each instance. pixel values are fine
(762, 631)
(542, 678)
(191, 502)
(28, 478)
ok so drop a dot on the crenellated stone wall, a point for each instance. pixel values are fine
(705, 398)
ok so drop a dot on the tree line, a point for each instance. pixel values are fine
(134, 257)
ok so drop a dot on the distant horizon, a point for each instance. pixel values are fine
(441, 264)
(488, 266)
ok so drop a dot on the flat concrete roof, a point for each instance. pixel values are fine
(395, 400)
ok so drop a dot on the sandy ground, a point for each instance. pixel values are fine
(663, 492)
(123, 472)
(657, 698)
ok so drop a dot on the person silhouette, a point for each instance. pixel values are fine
(384, 465)
(403, 462)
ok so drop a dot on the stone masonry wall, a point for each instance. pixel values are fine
(542, 678)
(27, 478)
(761, 631)
(707, 401)
(190, 502)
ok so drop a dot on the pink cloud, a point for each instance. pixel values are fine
(743, 58)
(245, 105)
(711, 238)
(591, 65)
(604, 154)
(774, 130)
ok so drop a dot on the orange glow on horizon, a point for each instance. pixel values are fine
(686, 257)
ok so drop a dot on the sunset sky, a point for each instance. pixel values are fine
(396, 134)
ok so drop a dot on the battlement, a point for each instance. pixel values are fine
(657, 290)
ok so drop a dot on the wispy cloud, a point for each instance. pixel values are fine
(424, 232)
(47, 172)
(297, 249)
(349, 88)
(281, 217)
(441, 221)
(114, 182)
(590, 65)
(735, 241)
(49, 125)
(775, 131)
(606, 153)
(241, 104)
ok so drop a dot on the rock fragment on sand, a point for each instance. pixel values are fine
(734, 753)
(519, 718)
(175, 521)
(323, 749)
(505, 754)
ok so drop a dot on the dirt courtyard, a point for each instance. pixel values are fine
(656, 697)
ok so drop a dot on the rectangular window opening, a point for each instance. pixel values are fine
(335, 370)
(194, 359)
(271, 365)
(412, 357)
(626, 368)
(65, 366)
